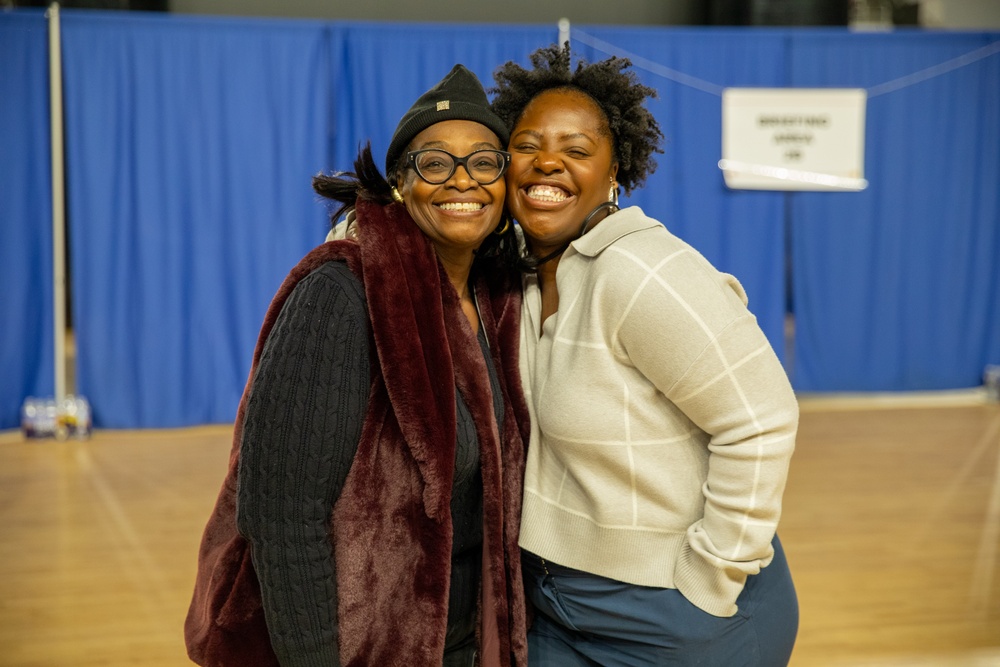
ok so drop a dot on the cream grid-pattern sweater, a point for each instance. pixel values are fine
(662, 421)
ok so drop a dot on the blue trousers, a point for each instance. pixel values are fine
(585, 620)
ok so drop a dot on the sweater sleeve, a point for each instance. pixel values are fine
(688, 331)
(300, 434)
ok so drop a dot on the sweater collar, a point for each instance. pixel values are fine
(615, 226)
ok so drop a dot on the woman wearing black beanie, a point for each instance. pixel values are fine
(371, 511)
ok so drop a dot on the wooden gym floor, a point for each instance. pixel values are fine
(891, 525)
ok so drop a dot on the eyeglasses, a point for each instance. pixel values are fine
(436, 166)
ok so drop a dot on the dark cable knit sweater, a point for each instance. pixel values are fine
(304, 417)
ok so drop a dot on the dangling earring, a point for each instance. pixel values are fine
(613, 194)
(396, 196)
(506, 226)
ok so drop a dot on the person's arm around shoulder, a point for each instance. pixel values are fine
(303, 421)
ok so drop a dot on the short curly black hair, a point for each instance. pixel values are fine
(616, 90)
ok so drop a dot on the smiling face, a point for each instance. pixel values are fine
(562, 166)
(458, 214)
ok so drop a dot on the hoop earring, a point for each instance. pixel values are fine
(506, 226)
(396, 196)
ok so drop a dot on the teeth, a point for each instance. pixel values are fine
(546, 193)
(461, 206)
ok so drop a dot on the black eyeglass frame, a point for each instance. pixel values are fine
(411, 161)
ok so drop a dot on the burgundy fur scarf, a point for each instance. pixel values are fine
(392, 573)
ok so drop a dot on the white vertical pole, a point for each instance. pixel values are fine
(563, 31)
(58, 201)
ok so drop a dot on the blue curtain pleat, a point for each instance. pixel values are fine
(191, 148)
(26, 338)
(740, 232)
(898, 287)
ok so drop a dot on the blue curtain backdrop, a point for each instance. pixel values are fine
(898, 287)
(191, 143)
(741, 232)
(191, 147)
(26, 337)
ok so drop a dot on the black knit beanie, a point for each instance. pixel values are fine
(458, 96)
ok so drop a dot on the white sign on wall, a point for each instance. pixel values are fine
(793, 138)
